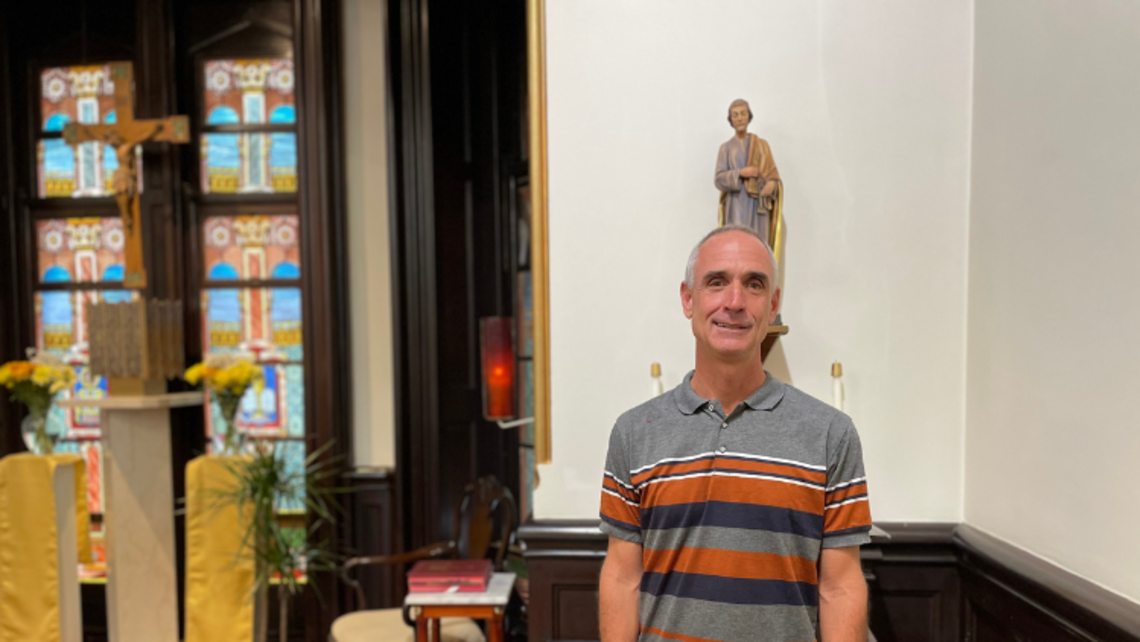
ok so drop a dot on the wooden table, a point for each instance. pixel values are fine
(489, 605)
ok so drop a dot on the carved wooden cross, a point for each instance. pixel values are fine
(124, 135)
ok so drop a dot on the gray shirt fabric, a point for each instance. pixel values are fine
(732, 511)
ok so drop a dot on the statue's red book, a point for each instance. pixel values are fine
(464, 576)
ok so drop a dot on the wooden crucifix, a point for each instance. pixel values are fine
(125, 135)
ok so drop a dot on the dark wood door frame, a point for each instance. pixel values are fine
(328, 385)
(413, 256)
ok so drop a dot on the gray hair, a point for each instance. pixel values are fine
(690, 267)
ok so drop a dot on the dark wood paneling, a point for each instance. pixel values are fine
(563, 598)
(374, 525)
(925, 584)
(999, 602)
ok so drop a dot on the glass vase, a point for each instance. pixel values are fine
(36, 437)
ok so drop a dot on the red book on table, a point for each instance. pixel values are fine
(464, 576)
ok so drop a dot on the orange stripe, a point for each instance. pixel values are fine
(850, 516)
(722, 563)
(740, 490)
(674, 636)
(615, 508)
(844, 493)
(678, 636)
(672, 469)
(619, 489)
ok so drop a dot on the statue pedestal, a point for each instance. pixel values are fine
(142, 596)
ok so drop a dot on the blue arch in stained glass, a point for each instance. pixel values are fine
(57, 274)
(286, 270)
(286, 305)
(283, 114)
(223, 272)
(223, 116)
(111, 118)
(283, 150)
(55, 122)
(114, 272)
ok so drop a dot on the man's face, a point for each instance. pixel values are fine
(739, 117)
(733, 298)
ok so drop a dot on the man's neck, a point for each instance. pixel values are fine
(742, 135)
(728, 383)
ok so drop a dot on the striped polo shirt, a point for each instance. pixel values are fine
(732, 511)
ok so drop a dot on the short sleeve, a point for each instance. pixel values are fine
(846, 510)
(621, 502)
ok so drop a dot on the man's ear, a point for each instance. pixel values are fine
(775, 306)
(686, 300)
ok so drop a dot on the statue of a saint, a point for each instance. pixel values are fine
(746, 175)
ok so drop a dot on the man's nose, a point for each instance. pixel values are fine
(734, 297)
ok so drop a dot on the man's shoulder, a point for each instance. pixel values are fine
(658, 406)
(800, 404)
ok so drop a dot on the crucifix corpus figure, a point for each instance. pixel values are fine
(746, 175)
(125, 135)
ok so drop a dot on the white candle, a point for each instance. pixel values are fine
(837, 385)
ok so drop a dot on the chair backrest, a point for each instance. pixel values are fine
(475, 518)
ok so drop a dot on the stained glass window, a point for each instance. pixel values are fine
(86, 250)
(249, 141)
(81, 94)
(252, 247)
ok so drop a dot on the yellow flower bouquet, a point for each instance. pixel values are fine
(35, 383)
(227, 377)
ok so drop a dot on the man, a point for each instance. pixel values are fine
(735, 504)
(746, 175)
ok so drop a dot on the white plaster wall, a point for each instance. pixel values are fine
(1052, 439)
(866, 105)
(369, 259)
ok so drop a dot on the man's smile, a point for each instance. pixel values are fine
(732, 326)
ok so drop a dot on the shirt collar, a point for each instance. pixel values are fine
(766, 397)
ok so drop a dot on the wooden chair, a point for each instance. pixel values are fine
(475, 523)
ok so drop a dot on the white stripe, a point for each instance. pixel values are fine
(844, 503)
(610, 492)
(671, 460)
(706, 473)
(776, 460)
(619, 482)
(857, 480)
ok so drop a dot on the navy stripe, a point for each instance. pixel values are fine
(848, 531)
(845, 499)
(731, 590)
(620, 524)
(631, 495)
(733, 515)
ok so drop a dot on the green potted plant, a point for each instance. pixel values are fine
(283, 556)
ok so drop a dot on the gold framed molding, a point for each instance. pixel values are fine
(540, 264)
